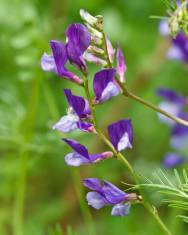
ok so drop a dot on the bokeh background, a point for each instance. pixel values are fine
(37, 190)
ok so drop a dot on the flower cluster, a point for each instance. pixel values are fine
(89, 44)
(174, 104)
(179, 44)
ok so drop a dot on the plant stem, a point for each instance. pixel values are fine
(129, 94)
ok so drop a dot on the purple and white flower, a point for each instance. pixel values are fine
(121, 65)
(78, 40)
(173, 103)
(77, 113)
(80, 156)
(104, 85)
(105, 194)
(121, 134)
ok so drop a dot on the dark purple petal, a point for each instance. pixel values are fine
(181, 42)
(75, 159)
(60, 57)
(172, 160)
(96, 200)
(104, 85)
(121, 134)
(92, 183)
(85, 126)
(78, 41)
(170, 95)
(78, 103)
(121, 209)
(113, 194)
(77, 147)
(121, 65)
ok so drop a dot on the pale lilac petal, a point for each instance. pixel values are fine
(121, 210)
(179, 142)
(121, 65)
(67, 123)
(124, 142)
(48, 63)
(75, 159)
(100, 156)
(111, 90)
(175, 53)
(94, 59)
(110, 50)
(164, 28)
(95, 200)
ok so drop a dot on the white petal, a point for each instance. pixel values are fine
(74, 159)
(124, 142)
(110, 90)
(67, 123)
(48, 62)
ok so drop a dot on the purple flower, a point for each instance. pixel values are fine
(172, 160)
(179, 48)
(104, 85)
(121, 65)
(78, 111)
(80, 156)
(78, 40)
(179, 137)
(121, 134)
(104, 194)
(173, 103)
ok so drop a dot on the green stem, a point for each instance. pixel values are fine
(129, 94)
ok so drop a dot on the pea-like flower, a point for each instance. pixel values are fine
(106, 194)
(78, 111)
(121, 134)
(104, 85)
(80, 156)
(78, 40)
(173, 103)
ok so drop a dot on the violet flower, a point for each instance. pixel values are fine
(121, 65)
(80, 156)
(179, 136)
(121, 134)
(173, 103)
(105, 194)
(78, 40)
(77, 113)
(172, 160)
(104, 85)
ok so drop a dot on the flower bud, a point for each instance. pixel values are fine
(95, 22)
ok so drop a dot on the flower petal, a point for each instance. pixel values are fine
(172, 160)
(85, 126)
(121, 209)
(121, 65)
(78, 103)
(95, 200)
(170, 95)
(100, 156)
(48, 63)
(104, 85)
(67, 123)
(92, 183)
(79, 148)
(78, 41)
(121, 134)
(113, 194)
(60, 57)
(75, 159)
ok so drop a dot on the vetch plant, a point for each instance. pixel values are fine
(89, 43)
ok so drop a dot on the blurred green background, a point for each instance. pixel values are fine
(37, 190)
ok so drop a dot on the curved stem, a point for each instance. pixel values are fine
(129, 94)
